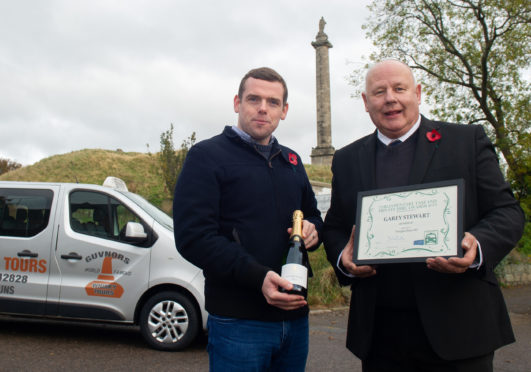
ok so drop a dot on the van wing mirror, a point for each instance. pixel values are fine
(134, 232)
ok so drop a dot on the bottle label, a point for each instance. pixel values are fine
(296, 274)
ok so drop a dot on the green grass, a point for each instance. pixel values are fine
(323, 288)
(141, 172)
(321, 173)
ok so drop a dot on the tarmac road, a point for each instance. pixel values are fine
(35, 345)
(328, 335)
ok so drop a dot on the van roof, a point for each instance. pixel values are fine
(110, 182)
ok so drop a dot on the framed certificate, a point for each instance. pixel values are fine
(410, 223)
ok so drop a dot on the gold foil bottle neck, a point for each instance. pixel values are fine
(297, 224)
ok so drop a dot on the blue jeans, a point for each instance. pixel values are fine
(252, 345)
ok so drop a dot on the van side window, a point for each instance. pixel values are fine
(97, 214)
(124, 216)
(24, 212)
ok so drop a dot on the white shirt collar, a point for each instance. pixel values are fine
(386, 140)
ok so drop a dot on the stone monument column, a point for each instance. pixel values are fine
(323, 153)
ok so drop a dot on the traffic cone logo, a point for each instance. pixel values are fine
(105, 286)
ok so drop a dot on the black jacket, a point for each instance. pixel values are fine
(463, 315)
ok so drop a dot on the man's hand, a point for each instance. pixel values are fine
(309, 234)
(276, 298)
(456, 265)
(346, 260)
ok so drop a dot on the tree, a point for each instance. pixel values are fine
(171, 161)
(7, 165)
(472, 56)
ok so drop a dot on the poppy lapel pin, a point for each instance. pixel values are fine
(293, 158)
(433, 135)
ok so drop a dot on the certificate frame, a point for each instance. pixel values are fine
(409, 223)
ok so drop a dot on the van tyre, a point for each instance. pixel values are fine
(169, 321)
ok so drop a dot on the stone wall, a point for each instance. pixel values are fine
(322, 192)
(514, 274)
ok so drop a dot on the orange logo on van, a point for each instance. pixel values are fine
(105, 285)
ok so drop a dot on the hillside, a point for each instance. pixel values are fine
(140, 171)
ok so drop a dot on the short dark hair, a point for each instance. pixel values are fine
(267, 74)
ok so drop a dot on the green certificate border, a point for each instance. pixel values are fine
(410, 223)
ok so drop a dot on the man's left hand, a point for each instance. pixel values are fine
(274, 297)
(456, 265)
(309, 234)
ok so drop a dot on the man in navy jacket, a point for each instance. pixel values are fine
(232, 210)
(444, 314)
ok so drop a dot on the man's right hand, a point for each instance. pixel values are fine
(279, 299)
(346, 260)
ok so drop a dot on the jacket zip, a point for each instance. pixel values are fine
(271, 158)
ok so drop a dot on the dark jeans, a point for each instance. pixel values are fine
(250, 345)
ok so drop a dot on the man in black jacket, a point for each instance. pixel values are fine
(232, 211)
(444, 314)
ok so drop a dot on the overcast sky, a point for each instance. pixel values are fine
(115, 74)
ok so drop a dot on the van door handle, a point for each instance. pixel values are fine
(71, 256)
(26, 253)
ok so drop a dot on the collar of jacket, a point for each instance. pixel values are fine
(276, 148)
(424, 152)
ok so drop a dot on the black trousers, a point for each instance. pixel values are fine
(400, 345)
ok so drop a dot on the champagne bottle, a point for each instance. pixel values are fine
(296, 267)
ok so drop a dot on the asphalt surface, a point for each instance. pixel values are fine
(328, 335)
(38, 345)
(516, 357)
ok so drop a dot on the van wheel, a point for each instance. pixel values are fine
(169, 321)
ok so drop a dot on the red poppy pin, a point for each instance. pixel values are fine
(293, 158)
(433, 136)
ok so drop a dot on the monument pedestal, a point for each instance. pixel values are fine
(322, 155)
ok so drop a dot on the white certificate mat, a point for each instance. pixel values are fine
(409, 224)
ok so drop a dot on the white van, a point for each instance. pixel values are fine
(96, 253)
